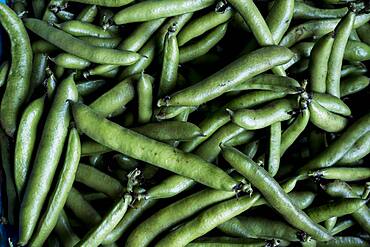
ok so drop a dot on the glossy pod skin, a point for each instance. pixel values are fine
(276, 111)
(100, 130)
(144, 90)
(39, 67)
(230, 76)
(25, 142)
(320, 55)
(150, 10)
(102, 42)
(342, 32)
(359, 150)
(337, 149)
(294, 131)
(90, 86)
(208, 220)
(258, 227)
(357, 51)
(170, 64)
(332, 103)
(316, 28)
(226, 242)
(74, 46)
(211, 124)
(132, 215)
(343, 173)
(344, 242)
(79, 28)
(324, 119)
(18, 80)
(60, 193)
(96, 235)
(353, 84)
(89, 148)
(171, 215)
(335, 209)
(115, 99)
(203, 46)
(69, 61)
(47, 157)
(87, 14)
(201, 25)
(254, 19)
(169, 130)
(273, 193)
(210, 149)
(4, 69)
(99, 181)
(305, 11)
(343, 190)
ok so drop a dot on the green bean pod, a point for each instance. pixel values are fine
(169, 187)
(150, 10)
(7, 168)
(203, 24)
(305, 11)
(276, 111)
(343, 190)
(353, 84)
(102, 42)
(273, 193)
(18, 80)
(25, 142)
(273, 161)
(79, 28)
(359, 150)
(90, 86)
(210, 149)
(324, 119)
(39, 67)
(229, 77)
(65, 15)
(290, 135)
(77, 47)
(65, 232)
(130, 218)
(100, 130)
(168, 112)
(332, 104)
(97, 235)
(279, 18)
(89, 148)
(87, 14)
(69, 61)
(241, 139)
(82, 209)
(213, 123)
(202, 47)
(335, 209)
(363, 32)
(353, 70)
(169, 130)
(38, 7)
(342, 173)
(259, 227)
(147, 53)
(170, 65)
(171, 215)
(105, 3)
(99, 181)
(47, 157)
(42, 46)
(144, 90)
(320, 55)
(342, 32)
(317, 28)
(341, 226)
(344, 242)
(115, 99)
(208, 220)
(357, 51)
(226, 242)
(254, 19)
(59, 196)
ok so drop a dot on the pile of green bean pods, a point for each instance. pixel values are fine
(197, 123)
